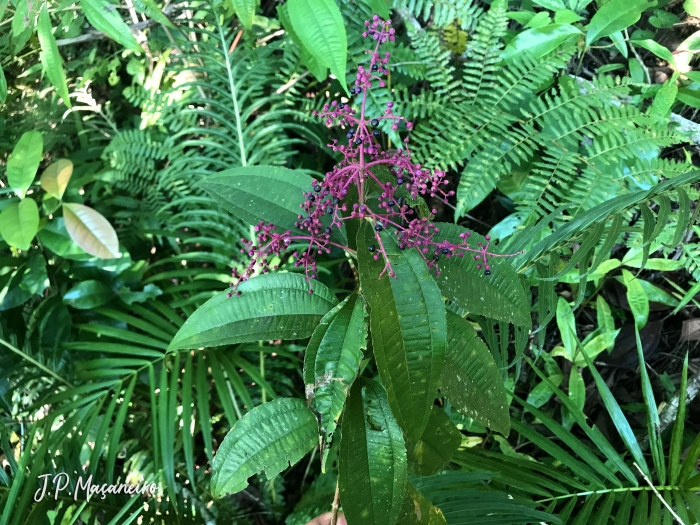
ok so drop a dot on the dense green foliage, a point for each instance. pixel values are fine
(140, 143)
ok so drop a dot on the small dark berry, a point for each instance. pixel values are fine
(487, 272)
(341, 106)
(328, 231)
(317, 189)
(351, 131)
(358, 90)
(371, 247)
(402, 247)
(311, 198)
(436, 257)
(445, 251)
(329, 210)
(374, 122)
(378, 227)
(336, 200)
(352, 90)
(400, 181)
(350, 135)
(391, 203)
(358, 141)
(375, 132)
(375, 67)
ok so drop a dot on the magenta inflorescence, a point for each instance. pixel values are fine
(324, 209)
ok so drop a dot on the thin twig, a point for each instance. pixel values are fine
(651, 485)
(336, 504)
(641, 61)
(291, 83)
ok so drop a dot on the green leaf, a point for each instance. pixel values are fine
(91, 231)
(539, 41)
(470, 378)
(567, 327)
(264, 193)
(614, 16)
(88, 294)
(319, 26)
(271, 306)
(50, 57)
(3, 86)
(24, 161)
(333, 361)
(497, 296)
(317, 69)
(54, 236)
(104, 17)
(692, 7)
(554, 5)
(151, 9)
(150, 291)
(656, 48)
(437, 445)
(408, 327)
(55, 178)
(637, 298)
(419, 510)
(664, 98)
(19, 223)
(269, 438)
(372, 467)
(245, 11)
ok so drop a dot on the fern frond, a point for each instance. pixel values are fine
(442, 12)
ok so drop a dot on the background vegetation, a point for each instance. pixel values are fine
(568, 130)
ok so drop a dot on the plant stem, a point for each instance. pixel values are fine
(676, 516)
(336, 504)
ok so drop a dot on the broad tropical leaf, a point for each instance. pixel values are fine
(24, 161)
(615, 16)
(470, 379)
(50, 57)
(271, 306)
(91, 231)
(440, 440)
(269, 438)
(319, 26)
(104, 17)
(408, 327)
(19, 223)
(332, 361)
(498, 296)
(55, 178)
(419, 510)
(372, 469)
(263, 193)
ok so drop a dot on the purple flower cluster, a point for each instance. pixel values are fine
(324, 208)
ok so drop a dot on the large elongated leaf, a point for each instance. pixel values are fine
(91, 231)
(19, 223)
(317, 69)
(271, 306)
(498, 296)
(372, 469)
(614, 16)
(418, 510)
(407, 321)
(470, 379)
(50, 57)
(440, 440)
(263, 193)
(333, 361)
(319, 26)
(3, 86)
(269, 438)
(24, 161)
(104, 17)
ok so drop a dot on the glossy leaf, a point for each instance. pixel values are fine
(333, 362)
(245, 11)
(50, 57)
(637, 299)
(91, 231)
(88, 294)
(614, 16)
(24, 161)
(317, 69)
(497, 296)
(418, 510)
(408, 327)
(319, 26)
(104, 17)
(55, 178)
(470, 379)
(263, 193)
(539, 41)
(437, 445)
(372, 468)
(269, 438)
(271, 306)
(19, 223)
